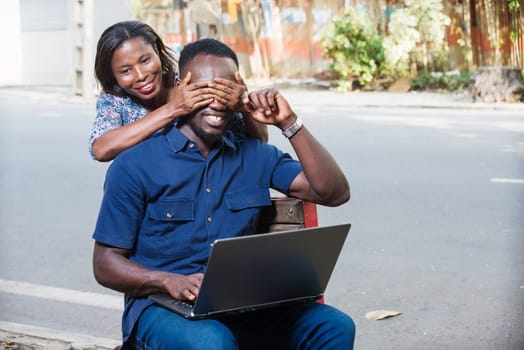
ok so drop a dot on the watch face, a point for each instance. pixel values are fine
(292, 130)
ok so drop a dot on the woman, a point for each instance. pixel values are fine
(137, 74)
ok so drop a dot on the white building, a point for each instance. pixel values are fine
(52, 42)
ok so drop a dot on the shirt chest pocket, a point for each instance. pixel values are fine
(245, 206)
(173, 210)
(167, 230)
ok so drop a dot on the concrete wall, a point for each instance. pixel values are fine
(275, 39)
(46, 41)
(11, 67)
(95, 16)
(46, 57)
(108, 12)
(39, 38)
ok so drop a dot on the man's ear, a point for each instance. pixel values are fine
(185, 80)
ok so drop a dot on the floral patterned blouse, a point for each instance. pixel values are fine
(113, 111)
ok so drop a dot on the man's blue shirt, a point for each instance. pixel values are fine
(166, 203)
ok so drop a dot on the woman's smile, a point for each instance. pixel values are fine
(138, 69)
(147, 88)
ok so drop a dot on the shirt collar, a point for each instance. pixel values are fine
(178, 141)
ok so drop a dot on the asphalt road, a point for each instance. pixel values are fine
(437, 213)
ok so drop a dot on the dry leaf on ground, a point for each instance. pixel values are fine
(381, 314)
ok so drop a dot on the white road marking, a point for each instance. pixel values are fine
(54, 334)
(508, 181)
(105, 301)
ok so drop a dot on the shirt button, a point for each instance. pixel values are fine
(191, 145)
(169, 215)
(208, 190)
(209, 219)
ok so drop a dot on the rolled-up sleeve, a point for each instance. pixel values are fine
(285, 170)
(122, 208)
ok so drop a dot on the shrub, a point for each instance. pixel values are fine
(354, 46)
(449, 81)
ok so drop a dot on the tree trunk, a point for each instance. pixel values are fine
(497, 84)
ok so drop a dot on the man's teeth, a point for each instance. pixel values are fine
(214, 118)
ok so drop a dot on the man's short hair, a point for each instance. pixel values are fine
(205, 46)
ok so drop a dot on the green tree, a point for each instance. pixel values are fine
(355, 48)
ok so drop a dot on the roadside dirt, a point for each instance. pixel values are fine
(15, 341)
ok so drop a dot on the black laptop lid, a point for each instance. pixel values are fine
(267, 269)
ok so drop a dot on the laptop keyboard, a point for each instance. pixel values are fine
(183, 304)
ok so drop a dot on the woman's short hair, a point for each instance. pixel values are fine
(113, 37)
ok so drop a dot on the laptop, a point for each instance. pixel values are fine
(264, 270)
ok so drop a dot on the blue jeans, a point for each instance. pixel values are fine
(302, 326)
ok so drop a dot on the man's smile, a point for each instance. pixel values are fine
(215, 120)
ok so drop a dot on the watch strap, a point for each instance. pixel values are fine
(293, 129)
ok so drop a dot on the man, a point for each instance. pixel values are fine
(169, 197)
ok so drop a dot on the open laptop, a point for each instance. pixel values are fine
(263, 270)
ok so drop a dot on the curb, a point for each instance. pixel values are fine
(15, 336)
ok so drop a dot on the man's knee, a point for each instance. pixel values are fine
(206, 338)
(212, 337)
(332, 328)
(161, 329)
(344, 327)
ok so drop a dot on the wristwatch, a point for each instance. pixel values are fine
(293, 129)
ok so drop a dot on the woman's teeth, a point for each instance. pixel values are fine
(147, 87)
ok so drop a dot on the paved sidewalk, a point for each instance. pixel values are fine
(303, 93)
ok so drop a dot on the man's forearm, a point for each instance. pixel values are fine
(326, 179)
(321, 179)
(114, 270)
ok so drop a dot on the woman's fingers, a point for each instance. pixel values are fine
(186, 80)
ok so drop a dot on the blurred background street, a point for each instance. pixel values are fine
(436, 208)
(419, 101)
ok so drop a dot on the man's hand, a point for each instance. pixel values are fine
(183, 287)
(229, 93)
(188, 97)
(268, 106)
(113, 269)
